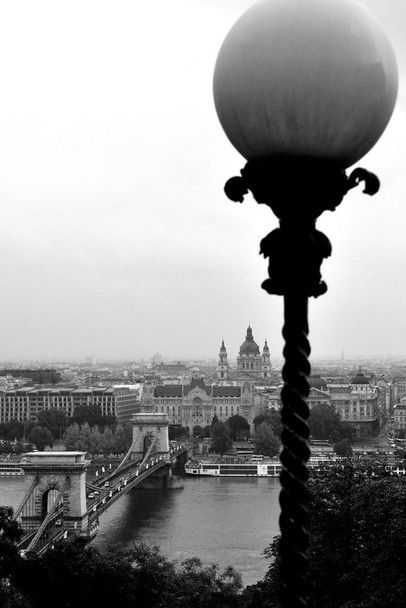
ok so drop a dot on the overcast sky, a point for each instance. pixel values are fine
(116, 237)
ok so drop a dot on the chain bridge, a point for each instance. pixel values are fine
(59, 502)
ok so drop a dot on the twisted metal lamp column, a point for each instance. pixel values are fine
(294, 494)
(298, 191)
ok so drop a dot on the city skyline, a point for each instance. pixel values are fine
(117, 237)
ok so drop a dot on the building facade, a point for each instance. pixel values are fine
(38, 376)
(357, 404)
(25, 403)
(399, 415)
(398, 386)
(171, 369)
(273, 400)
(197, 403)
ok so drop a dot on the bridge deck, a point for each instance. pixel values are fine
(125, 480)
(106, 491)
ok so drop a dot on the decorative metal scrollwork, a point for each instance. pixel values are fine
(297, 190)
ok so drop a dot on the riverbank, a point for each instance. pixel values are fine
(223, 521)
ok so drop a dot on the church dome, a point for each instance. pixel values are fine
(249, 347)
(317, 382)
(360, 378)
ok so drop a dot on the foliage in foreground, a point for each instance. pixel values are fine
(70, 576)
(357, 553)
(357, 559)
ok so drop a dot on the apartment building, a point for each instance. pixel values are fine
(25, 403)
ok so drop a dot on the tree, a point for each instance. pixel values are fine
(271, 417)
(14, 429)
(239, 426)
(365, 556)
(343, 448)
(6, 448)
(21, 447)
(41, 437)
(128, 432)
(10, 529)
(107, 441)
(122, 439)
(93, 416)
(73, 438)
(176, 431)
(86, 432)
(357, 552)
(207, 431)
(197, 430)
(94, 441)
(54, 420)
(141, 577)
(265, 440)
(205, 583)
(325, 423)
(220, 438)
(10, 534)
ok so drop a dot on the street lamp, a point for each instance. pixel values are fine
(303, 89)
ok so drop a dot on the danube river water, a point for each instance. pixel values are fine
(220, 520)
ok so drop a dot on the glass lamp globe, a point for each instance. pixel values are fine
(313, 78)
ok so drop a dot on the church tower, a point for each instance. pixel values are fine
(249, 360)
(266, 362)
(222, 370)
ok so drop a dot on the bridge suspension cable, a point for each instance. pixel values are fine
(90, 486)
(148, 452)
(26, 498)
(48, 516)
(126, 457)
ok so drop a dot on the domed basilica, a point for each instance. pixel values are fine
(251, 364)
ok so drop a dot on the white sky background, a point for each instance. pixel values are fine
(116, 237)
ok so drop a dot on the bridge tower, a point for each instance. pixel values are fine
(151, 438)
(150, 434)
(52, 476)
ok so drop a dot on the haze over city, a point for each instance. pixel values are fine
(117, 238)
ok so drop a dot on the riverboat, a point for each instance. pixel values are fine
(253, 468)
(10, 468)
(226, 469)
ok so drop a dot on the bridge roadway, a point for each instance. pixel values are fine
(123, 479)
(104, 492)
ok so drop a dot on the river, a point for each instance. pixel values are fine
(227, 521)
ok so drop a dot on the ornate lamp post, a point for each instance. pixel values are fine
(303, 89)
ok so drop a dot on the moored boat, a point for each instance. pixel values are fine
(226, 469)
(253, 468)
(10, 468)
